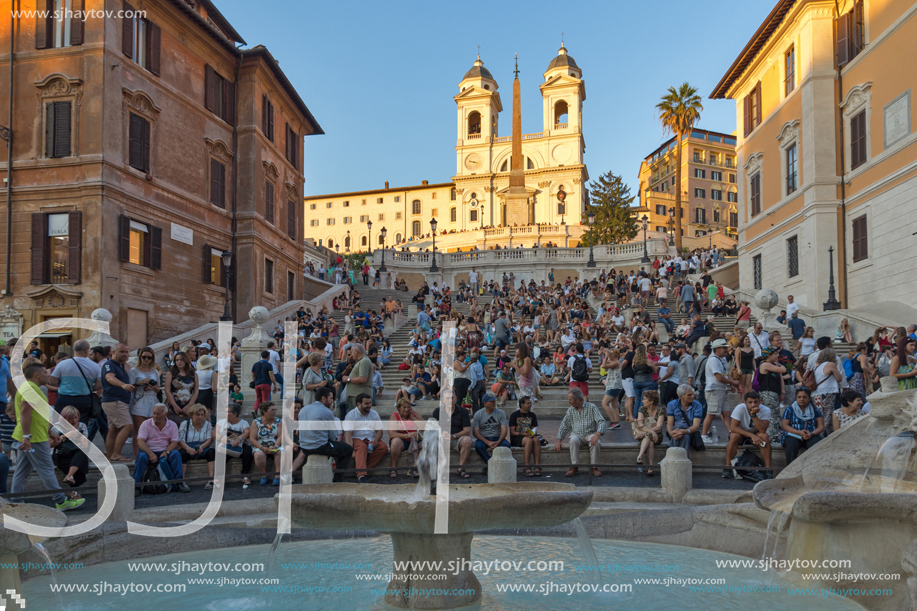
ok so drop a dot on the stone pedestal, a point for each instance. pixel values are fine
(422, 592)
(124, 494)
(501, 468)
(676, 473)
(317, 470)
(97, 338)
(253, 345)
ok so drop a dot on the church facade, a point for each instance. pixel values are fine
(551, 162)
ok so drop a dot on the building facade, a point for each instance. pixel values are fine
(144, 145)
(827, 152)
(555, 172)
(708, 185)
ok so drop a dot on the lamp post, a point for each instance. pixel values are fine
(832, 303)
(646, 257)
(382, 267)
(433, 267)
(227, 260)
(347, 242)
(369, 239)
(590, 217)
(671, 226)
(482, 216)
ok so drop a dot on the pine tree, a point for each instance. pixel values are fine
(610, 201)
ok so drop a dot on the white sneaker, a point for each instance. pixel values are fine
(706, 438)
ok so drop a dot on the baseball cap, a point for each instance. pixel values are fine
(682, 345)
(488, 398)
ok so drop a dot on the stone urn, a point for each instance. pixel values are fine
(98, 338)
(766, 300)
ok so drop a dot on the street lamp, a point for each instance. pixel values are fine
(482, 216)
(646, 257)
(369, 240)
(227, 260)
(433, 267)
(590, 217)
(347, 242)
(382, 267)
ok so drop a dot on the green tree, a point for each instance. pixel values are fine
(610, 201)
(679, 109)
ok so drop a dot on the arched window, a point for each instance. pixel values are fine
(452, 194)
(347, 242)
(560, 113)
(505, 165)
(415, 206)
(363, 241)
(381, 241)
(528, 164)
(330, 243)
(397, 238)
(474, 123)
(452, 214)
(415, 228)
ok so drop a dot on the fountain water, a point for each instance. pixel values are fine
(40, 549)
(585, 544)
(427, 462)
(269, 565)
(890, 464)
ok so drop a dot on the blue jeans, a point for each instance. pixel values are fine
(171, 466)
(279, 379)
(668, 324)
(639, 387)
(481, 449)
(4, 472)
(688, 304)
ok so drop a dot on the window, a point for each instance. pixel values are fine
(381, 240)
(452, 214)
(219, 95)
(698, 158)
(214, 270)
(141, 244)
(397, 216)
(716, 215)
(313, 223)
(311, 206)
(269, 202)
(474, 124)
(364, 202)
(415, 206)
(789, 64)
(433, 195)
(700, 193)
(756, 271)
(364, 218)
(59, 28)
(791, 169)
(860, 243)
(363, 241)
(397, 238)
(397, 199)
(268, 276)
(661, 210)
(673, 181)
(730, 162)
(57, 129)
(415, 228)
(56, 247)
(217, 183)
(473, 217)
(330, 221)
(379, 200)
(700, 216)
(858, 140)
(716, 175)
(452, 194)
(139, 148)
(733, 218)
(292, 146)
(713, 156)
(792, 257)
(755, 194)
(699, 173)
(732, 197)
(732, 178)
(716, 195)
(348, 220)
(267, 117)
(381, 217)
(851, 34)
(434, 212)
(140, 40)
(346, 204)
(329, 204)
(291, 219)
(752, 109)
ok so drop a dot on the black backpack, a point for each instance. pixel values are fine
(750, 458)
(580, 369)
(153, 474)
(700, 372)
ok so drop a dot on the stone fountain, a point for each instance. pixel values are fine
(13, 543)
(853, 497)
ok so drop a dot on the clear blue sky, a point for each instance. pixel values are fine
(380, 76)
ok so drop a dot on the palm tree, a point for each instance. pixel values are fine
(679, 110)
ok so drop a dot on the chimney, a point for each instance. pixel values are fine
(424, 182)
(386, 184)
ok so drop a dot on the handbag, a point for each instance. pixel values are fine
(94, 399)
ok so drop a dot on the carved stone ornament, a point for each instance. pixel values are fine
(576, 181)
(856, 97)
(218, 149)
(754, 162)
(11, 323)
(140, 103)
(270, 170)
(58, 85)
(291, 191)
(789, 131)
(544, 184)
(489, 189)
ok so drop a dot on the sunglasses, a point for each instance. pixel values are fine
(146, 357)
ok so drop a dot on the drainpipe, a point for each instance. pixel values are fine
(842, 261)
(9, 166)
(235, 179)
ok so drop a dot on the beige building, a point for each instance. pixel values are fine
(828, 154)
(555, 174)
(709, 187)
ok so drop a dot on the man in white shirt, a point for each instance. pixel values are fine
(361, 433)
(749, 427)
(791, 307)
(473, 280)
(759, 340)
(718, 383)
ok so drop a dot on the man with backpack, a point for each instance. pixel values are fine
(579, 367)
(750, 421)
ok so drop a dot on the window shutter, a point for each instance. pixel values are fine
(269, 202)
(61, 129)
(861, 143)
(747, 114)
(127, 32)
(50, 115)
(75, 255)
(39, 247)
(76, 23)
(135, 151)
(291, 219)
(270, 121)
(145, 132)
(843, 39)
(42, 27)
(209, 87)
(125, 254)
(155, 247)
(759, 111)
(264, 114)
(207, 277)
(217, 183)
(229, 102)
(155, 44)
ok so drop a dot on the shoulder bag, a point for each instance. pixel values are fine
(94, 399)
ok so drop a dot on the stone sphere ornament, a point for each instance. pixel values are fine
(766, 299)
(258, 315)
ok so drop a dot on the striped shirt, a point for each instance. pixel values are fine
(583, 422)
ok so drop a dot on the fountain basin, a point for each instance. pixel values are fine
(411, 524)
(13, 543)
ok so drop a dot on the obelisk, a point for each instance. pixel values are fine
(517, 198)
